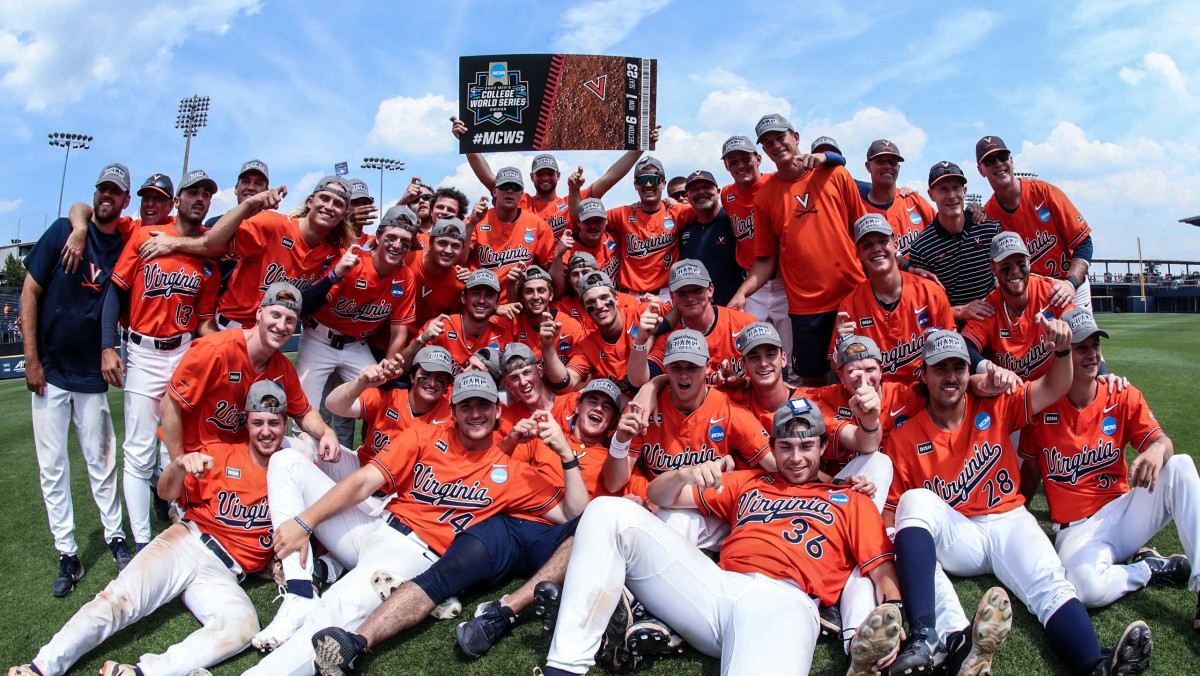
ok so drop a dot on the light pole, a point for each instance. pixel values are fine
(193, 115)
(382, 164)
(68, 141)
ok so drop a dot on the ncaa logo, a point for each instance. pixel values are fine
(716, 433)
(1109, 426)
(397, 290)
(915, 218)
(1044, 214)
(564, 346)
(499, 475)
(923, 320)
(498, 71)
(633, 332)
(610, 245)
(529, 237)
(206, 269)
(668, 224)
(899, 420)
(983, 421)
(839, 498)
(494, 345)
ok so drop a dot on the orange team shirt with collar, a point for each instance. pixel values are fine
(648, 244)
(462, 346)
(230, 504)
(908, 216)
(595, 357)
(556, 213)
(498, 246)
(607, 257)
(719, 427)
(127, 226)
(570, 333)
(806, 222)
(900, 332)
(721, 338)
(1017, 344)
(435, 295)
(364, 301)
(1048, 222)
(738, 203)
(169, 295)
(387, 413)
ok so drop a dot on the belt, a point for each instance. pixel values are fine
(163, 344)
(1063, 526)
(223, 556)
(402, 528)
(336, 340)
(223, 321)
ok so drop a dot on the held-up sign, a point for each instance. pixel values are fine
(556, 102)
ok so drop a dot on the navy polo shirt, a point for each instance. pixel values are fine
(714, 245)
(68, 332)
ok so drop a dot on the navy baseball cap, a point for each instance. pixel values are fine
(883, 147)
(157, 183)
(943, 170)
(700, 175)
(988, 145)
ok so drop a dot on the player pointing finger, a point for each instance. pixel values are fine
(196, 463)
(575, 180)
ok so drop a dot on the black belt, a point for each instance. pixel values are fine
(223, 556)
(224, 321)
(336, 340)
(397, 525)
(163, 344)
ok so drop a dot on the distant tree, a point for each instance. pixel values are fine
(14, 272)
(1151, 268)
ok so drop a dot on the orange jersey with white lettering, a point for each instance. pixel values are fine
(499, 246)
(387, 413)
(717, 428)
(556, 213)
(1017, 344)
(648, 244)
(806, 222)
(462, 346)
(364, 301)
(442, 488)
(212, 381)
(435, 295)
(270, 249)
(739, 207)
(908, 216)
(813, 534)
(170, 295)
(1048, 222)
(721, 338)
(595, 357)
(974, 468)
(900, 332)
(1081, 453)
(522, 332)
(230, 504)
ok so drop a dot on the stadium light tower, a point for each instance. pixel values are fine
(68, 141)
(382, 164)
(975, 198)
(193, 115)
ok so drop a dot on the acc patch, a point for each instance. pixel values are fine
(499, 475)
(233, 473)
(235, 376)
(924, 447)
(288, 242)
(839, 498)
(360, 284)
(1109, 426)
(441, 445)
(392, 414)
(983, 421)
(1050, 419)
(716, 433)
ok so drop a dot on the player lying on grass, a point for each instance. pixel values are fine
(225, 535)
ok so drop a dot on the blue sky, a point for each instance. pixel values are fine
(1098, 97)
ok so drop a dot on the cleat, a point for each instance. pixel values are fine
(199, 672)
(1131, 657)
(120, 552)
(477, 636)
(992, 624)
(384, 583)
(922, 655)
(613, 654)
(335, 650)
(650, 638)
(547, 595)
(1165, 571)
(111, 668)
(24, 670)
(830, 618)
(876, 638)
(447, 610)
(70, 571)
(288, 619)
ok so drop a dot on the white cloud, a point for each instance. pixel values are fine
(868, 124)
(737, 106)
(222, 201)
(596, 26)
(1156, 66)
(419, 126)
(7, 206)
(1069, 150)
(299, 190)
(682, 151)
(58, 53)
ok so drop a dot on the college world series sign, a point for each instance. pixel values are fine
(556, 102)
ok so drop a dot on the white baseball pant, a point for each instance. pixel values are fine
(1009, 545)
(225, 323)
(53, 414)
(877, 468)
(755, 624)
(147, 372)
(770, 304)
(858, 597)
(1083, 295)
(1091, 549)
(316, 361)
(175, 563)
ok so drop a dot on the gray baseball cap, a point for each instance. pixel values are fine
(1005, 244)
(688, 272)
(649, 166)
(359, 190)
(115, 173)
(592, 208)
(490, 357)
(871, 223)
(339, 187)
(1083, 325)
(483, 277)
(582, 259)
(472, 384)
(509, 176)
(401, 216)
(822, 141)
(606, 387)
(593, 280)
(856, 348)
(255, 165)
(266, 396)
(516, 351)
(758, 333)
(800, 408)
(770, 123)
(453, 228)
(883, 147)
(434, 359)
(198, 177)
(736, 144)
(545, 161)
(282, 294)
(944, 344)
(686, 345)
(534, 273)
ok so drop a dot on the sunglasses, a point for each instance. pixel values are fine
(992, 159)
(679, 195)
(426, 197)
(509, 187)
(643, 181)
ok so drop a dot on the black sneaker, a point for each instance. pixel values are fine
(652, 638)
(1165, 571)
(922, 655)
(335, 650)
(830, 618)
(546, 597)
(139, 546)
(477, 636)
(613, 654)
(70, 571)
(120, 552)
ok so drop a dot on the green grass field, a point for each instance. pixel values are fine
(1159, 353)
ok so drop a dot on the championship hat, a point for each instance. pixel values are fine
(648, 166)
(689, 272)
(534, 273)
(115, 173)
(825, 142)
(334, 184)
(856, 348)
(490, 358)
(606, 387)
(198, 177)
(1005, 244)
(400, 216)
(453, 228)
(770, 123)
(160, 183)
(942, 345)
(282, 294)
(883, 147)
(943, 170)
(988, 145)
(545, 161)
(592, 208)
(686, 345)
(472, 384)
(434, 359)
(359, 190)
(519, 352)
(255, 165)
(871, 223)
(509, 176)
(800, 408)
(736, 144)
(582, 260)
(758, 333)
(483, 277)
(593, 280)
(266, 396)
(1083, 325)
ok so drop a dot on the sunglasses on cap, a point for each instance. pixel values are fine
(643, 181)
(992, 159)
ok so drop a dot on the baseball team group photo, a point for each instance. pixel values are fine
(672, 363)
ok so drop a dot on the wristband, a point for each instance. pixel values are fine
(872, 430)
(571, 464)
(332, 276)
(619, 449)
(302, 525)
(1063, 353)
(1075, 281)
(641, 347)
(562, 384)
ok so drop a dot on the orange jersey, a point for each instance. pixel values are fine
(974, 468)
(270, 249)
(716, 429)
(897, 402)
(908, 216)
(595, 357)
(556, 213)
(648, 244)
(739, 207)
(387, 413)
(499, 246)
(462, 346)
(127, 226)
(442, 488)
(364, 301)
(605, 253)
(230, 504)
(806, 222)
(813, 534)
(435, 295)
(1081, 453)
(900, 332)
(570, 333)
(591, 464)
(721, 338)
(212, 381)
(1016, 344)
(169, 295)
(1050, 225)
(563, 411)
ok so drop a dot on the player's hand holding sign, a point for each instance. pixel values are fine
(708, 474)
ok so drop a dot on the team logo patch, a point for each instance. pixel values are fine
(668, 225)
(452, 335)
(923, 319)
(1109, 426)
(206, 269)
(839, 498)
(288, 242)
(899, 420)
(233, 473)
(393, 414)
(564, 346)
(915, 218)
(235, 376)
(499, 475)
(924, 447)
(716, 433)
(529, 237)
(1044, 214)
(360, 284)
(1004, 333)
(441, 445)
(866, 321)
(983, 421)
(397, 290)
(1051, 419)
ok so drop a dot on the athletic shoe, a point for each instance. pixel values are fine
(335, 650)
(613, 654)
(547, 595)
(288, 619)
(447, 610)
(384, 583)
(922, 655)
(120, 552)
(111, 668)
(830, 618)
(992, 624)
(652, 637)
(24, 670)
(1131, 657)
(70, 571)
(477, 635)
(875, 639)
(199, 672)
(1165, 571)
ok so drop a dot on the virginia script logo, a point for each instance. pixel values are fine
(974, 472)
(1069, 469)
(428, 490)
